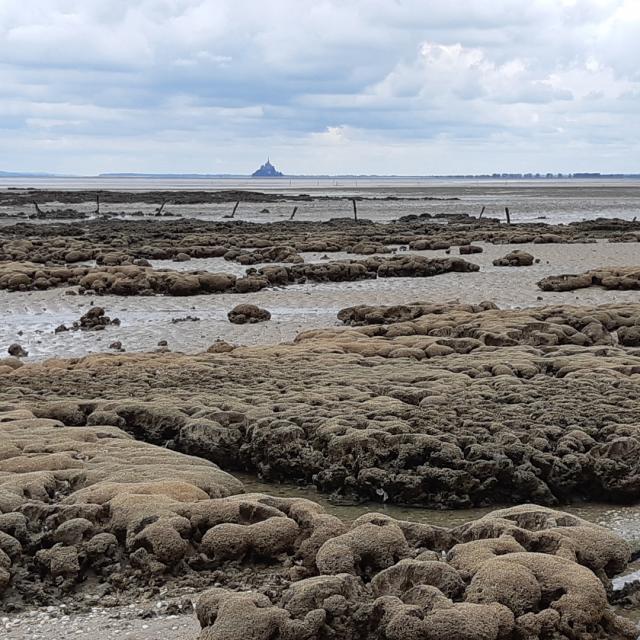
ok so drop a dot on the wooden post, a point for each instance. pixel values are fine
(97, 203)
(355, 209)
(38, 209)
(506, 210)
(161, 207)
(293, 213)
(481, 212)
(233, 213)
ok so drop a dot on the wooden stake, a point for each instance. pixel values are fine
(38, 209)
(506, 210)
(355, 209)
(97, 203)
(293, 213)
(481, 212)
(233, 213)
(161, 207)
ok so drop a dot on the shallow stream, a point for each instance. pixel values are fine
(623, 519)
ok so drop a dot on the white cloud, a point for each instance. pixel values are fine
(332, 136)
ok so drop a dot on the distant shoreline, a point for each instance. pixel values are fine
(230, 176)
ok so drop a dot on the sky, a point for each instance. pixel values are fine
(406, 87)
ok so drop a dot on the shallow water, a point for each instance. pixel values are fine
(624, 520)
(558, 201)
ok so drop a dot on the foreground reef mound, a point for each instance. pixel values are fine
(464, 405)
(395, 580)
(90, 508)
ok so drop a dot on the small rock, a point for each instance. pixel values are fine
(185, 319)
(516, 258)
(17, 351)
(250, 313)
(220, 346)
(467, 249)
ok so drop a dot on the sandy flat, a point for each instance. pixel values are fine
(147, 320)
(99, 624)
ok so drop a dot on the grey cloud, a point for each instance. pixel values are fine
(246, 77)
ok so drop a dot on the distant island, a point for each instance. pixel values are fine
(26, 174)
(267, 170)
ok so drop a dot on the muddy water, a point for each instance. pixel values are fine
(624, 520)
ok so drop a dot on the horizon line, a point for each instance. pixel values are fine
(494, 175)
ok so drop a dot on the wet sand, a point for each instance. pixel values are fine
(147, 320)
(99, 624)
(557, 201)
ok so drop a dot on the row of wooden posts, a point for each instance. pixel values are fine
(293, 213)
(295, 210)
(355, 211)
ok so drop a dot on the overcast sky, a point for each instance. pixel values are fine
(331, 86)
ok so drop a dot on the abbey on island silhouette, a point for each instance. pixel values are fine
(267, 170)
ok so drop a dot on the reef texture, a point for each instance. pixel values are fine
(621, 278)
(82, 503)
(134, 279)
(516, 573)
(115, 242)
(109, 481)
(469, 406)
(89, 505)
